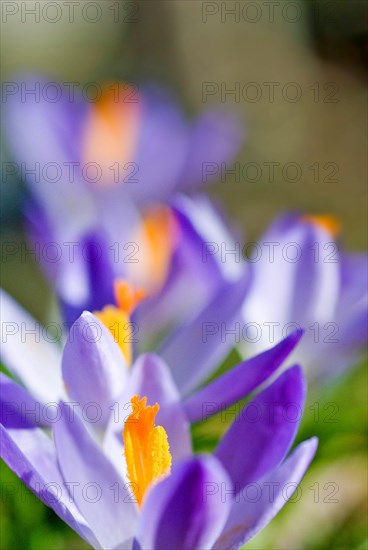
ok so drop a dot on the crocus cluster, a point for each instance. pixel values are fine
(97, 422)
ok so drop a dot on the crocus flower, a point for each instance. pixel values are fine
(302, 279)
(93, 368)
(141, 486)
(128, 222)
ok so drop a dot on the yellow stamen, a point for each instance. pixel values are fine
(146, 447)
(328, 223)
(118, 323)
(126, 297)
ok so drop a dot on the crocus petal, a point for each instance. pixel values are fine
(354, 275)
(150, 377)
(161, 148)
(266, 428)
(67, 269)
(216, 138)
(55, 149)
(94, 369)
(294, 283)
(250, 513)
(100, 493)
(191, 363)
(239, 381)
(31, 456)
(93, 270)
(18, 409)
(185, 511)
(202, 218)
(317, 284)
(35, 361)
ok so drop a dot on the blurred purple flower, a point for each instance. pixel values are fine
(302, 279)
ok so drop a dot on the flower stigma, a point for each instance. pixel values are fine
(146, 447)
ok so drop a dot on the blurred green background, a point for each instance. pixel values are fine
(321, 46)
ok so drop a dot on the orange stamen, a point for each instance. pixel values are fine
(126, 297)
(146, 447)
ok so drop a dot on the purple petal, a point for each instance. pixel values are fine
(96, 269)
(161, 150)
(239, 381)
(31, 456)
(94, 369)
(292, 283)
(192, 363)
(28, 354)
(185, 511)
(99, 493)
(216, 138)
(258, 505)
(265, 428)
(18, 409)
(354, 275)
(49, 133)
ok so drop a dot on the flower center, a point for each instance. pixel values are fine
(328, 223)
(117, 319)
(157, 235)
(111, 132)
(146, 447)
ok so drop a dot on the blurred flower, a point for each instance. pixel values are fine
(302, 279)
(144, 488)
(106, 178)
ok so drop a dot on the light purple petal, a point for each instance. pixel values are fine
(296, 279)
(27, 352)
(186, 510)
(197, 348)
(354, 275)
(92, 269)
(100, 494)
(239, 381)
(48, 134)
(94, 368)
(161, 150)
(258, 504)
(216, 138)
(264, 430)
(18, 409)
(31, 456)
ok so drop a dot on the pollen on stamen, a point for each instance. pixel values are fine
(146, 447)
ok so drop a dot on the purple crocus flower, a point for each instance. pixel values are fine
(204, 501)
(105, 177)
(48, 375)
(302, 279)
